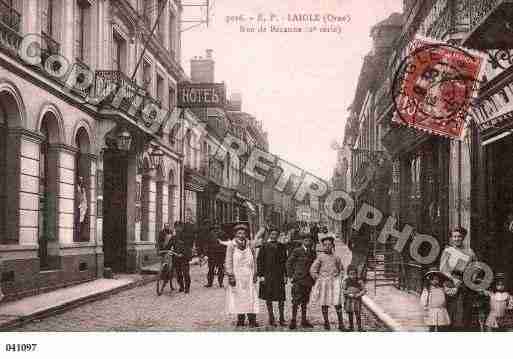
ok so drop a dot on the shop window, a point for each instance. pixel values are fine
(3, 169)
(171, 199)
(118, 53)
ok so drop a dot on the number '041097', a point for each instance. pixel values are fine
(20, 347)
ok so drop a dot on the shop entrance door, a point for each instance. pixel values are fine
(114, 210)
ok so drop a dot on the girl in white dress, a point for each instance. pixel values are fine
(242, 293)
(500, 301)
(433, 298)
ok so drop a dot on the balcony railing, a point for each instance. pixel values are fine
(108, 83)
(10, 21)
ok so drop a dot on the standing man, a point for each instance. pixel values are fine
(183, 246)
(298, 269)
(165, 243)
(271, 268)
(216, 253)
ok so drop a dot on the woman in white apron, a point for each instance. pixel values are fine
(242, 293)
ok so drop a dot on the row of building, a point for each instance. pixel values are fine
(430, 182)
(85, 186)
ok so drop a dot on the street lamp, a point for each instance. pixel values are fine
(156, 156)
(124, 139)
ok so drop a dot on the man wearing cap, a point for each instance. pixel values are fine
(298, 269)
(242, 294)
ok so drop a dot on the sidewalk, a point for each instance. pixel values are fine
(12, 314)
(400, 309)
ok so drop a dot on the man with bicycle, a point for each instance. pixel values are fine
(166, 243)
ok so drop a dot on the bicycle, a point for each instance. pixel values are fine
(166, 269)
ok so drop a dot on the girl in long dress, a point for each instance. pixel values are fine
(327, 270)
(242, 293)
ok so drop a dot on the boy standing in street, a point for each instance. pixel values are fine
(298, 269)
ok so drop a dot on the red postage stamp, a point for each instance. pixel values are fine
(434, 85)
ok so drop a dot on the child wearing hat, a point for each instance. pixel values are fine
(354, 290)
(500, 301)
(433, 299)
(327, 271)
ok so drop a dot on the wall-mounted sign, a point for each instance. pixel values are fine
(201, 95)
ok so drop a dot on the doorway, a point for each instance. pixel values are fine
(115, 166)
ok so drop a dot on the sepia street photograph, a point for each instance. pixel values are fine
(233, 167)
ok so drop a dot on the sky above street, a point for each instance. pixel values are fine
(298, 84)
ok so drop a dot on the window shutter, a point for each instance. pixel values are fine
(77, 29)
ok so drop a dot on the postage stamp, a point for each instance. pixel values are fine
(434, 85)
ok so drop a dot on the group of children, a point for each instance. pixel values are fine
(435, 295)
(332, 289)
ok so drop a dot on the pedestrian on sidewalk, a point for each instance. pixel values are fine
(327, 271)
(216, 253)
(298, 269)
(433, 299)
(242, 294)
(272, 271)
(353, 289)
(500, 301)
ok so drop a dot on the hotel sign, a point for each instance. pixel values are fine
(201, 95)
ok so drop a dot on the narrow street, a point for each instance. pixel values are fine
(140, 309)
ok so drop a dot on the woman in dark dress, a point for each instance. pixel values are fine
(271, 269)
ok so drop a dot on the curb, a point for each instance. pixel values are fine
(386, 319)
(22, 320)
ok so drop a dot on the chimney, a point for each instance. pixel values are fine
(202, 69)
(235, 102)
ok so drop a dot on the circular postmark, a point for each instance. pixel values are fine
(433, 88)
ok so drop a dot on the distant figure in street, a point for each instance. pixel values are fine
(433, 299)
(354, 289)
(216, 253)
(314, 232)
(327, 271)
(242, 294)
(204, 237)
(184, 248)
(298, 269)
(271, 268)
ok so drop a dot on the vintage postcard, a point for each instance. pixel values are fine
(294, 166)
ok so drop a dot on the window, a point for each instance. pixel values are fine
(81, 26)
(43, 198)
(118, 53)
(160, 25)
(160, 88)
(172, 35)
(147, 80)
(47, 17)
(172, 98)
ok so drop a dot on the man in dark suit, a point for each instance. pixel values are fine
(216, 253)
(183, 246)
(298, 269)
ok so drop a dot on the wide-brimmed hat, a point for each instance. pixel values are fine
(326, 237)
(435, 271)
(240, 226)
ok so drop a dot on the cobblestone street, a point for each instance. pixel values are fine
(141, 309)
